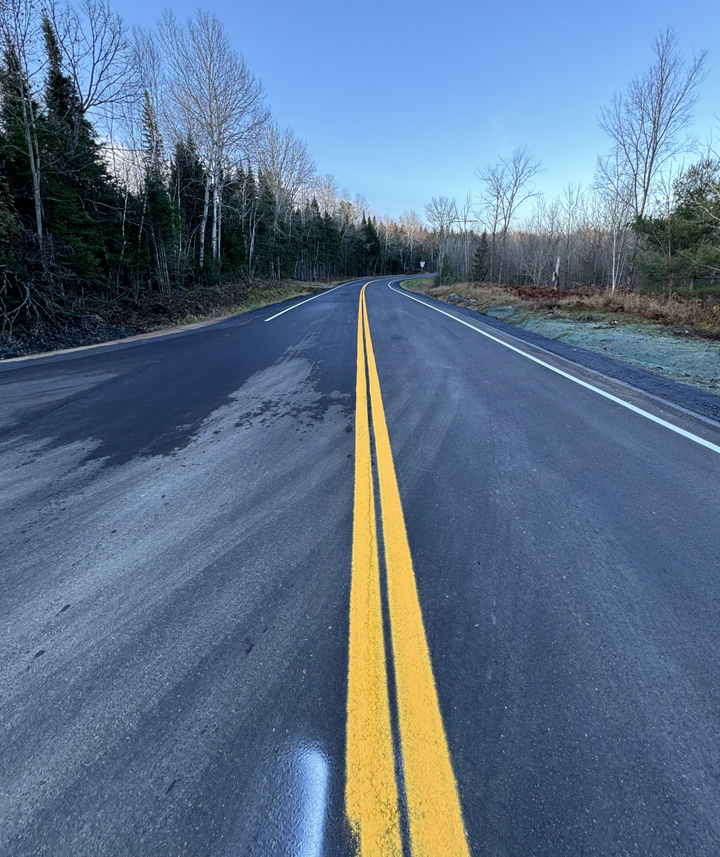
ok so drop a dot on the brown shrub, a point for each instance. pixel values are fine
(699, 315)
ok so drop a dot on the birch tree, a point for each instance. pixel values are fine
(411, 227)
(286, 164)
(441, 213)
(215, 100)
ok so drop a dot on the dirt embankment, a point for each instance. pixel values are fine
(150, 312)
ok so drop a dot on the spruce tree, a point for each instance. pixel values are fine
(266, 242)
(480, 261)
(20, 125)
(158, 227)
(447, 274)
(234, 244)
(81, 202)
(372, 246)
(187, 189)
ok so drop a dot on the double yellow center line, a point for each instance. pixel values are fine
(371, 793)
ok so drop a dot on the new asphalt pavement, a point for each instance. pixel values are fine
(179, 534)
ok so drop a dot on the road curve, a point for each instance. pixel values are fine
(221, 548)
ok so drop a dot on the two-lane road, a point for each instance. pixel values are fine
(328, 573)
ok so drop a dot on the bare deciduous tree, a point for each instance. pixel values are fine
(441, 213)
(411, 226)
(215, 99)
(286, 163)
(97, 54)
(325, 189)
(507, 186)
(465, 219)
(648, 123)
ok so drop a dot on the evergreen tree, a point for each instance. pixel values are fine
(683, 247)
(371, 254)
(234, 249)
(481, 259)
(267, 246)
(20, 124)
(329, 246)
(158, 224)
(80, 201)
(9, 233)
(187, 188)
(447, 275)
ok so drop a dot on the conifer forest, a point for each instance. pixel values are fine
(140, 162)
(147, 161)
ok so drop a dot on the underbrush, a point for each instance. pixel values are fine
(155, 311)
(699, 315)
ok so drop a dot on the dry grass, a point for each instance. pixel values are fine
(258, 294)
(699, 316)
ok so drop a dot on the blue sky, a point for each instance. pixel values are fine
(402, 101)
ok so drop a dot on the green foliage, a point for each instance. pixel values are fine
(682, 249)
(72, 237)
(481, 260)
(9, 228)
(79, 197)
(18, 111)
(160, 219)
(447, 275)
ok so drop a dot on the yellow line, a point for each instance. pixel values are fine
(370, 792)
(434, 814)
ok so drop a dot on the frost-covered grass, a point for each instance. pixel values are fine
(669, 337)
(694, 314)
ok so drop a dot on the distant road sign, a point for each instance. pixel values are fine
(422, 264)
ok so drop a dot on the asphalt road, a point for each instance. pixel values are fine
(533, 569)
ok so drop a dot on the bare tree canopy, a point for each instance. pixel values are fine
(97, 53)
(286, 163)
(217, 98)
(217, 102)
(506, 187)
(648, 124)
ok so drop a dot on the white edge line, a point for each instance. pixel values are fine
(318, 295)
(634, 408)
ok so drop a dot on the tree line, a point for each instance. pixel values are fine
(647, 221)
(147, 160)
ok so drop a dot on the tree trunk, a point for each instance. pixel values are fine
(214, 229)
(556, 274)
(204, 219)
